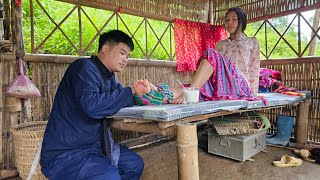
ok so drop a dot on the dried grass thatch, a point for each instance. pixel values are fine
(212, 11)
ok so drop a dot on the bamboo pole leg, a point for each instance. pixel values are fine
(301, 127)
(187, 152)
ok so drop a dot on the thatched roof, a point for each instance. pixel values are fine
(201, 10)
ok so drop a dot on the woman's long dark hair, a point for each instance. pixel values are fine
(242, 18)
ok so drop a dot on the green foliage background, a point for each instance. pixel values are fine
(282, 50)
(58, 43)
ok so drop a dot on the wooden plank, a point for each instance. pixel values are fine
(152, 127)
(142, 140)
(133, 120)
(8, 173)
(164, 125)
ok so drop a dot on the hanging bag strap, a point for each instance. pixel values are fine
(35, 161)
(21, 66)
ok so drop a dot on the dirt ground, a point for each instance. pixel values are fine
(161, 164)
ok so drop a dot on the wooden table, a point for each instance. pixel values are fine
(185, 132)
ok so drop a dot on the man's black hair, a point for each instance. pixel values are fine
(242, 17)
(114, 37)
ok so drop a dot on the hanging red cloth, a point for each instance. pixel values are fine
(192, 39)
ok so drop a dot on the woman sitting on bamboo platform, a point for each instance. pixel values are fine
(232, 70)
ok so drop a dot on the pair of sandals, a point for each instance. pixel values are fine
(289, 161)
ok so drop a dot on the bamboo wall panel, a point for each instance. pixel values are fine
(194, 10)
(165, 10)
(262, 9)
(304, 76)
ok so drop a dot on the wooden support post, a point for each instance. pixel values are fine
(187, 151)
(1, 134)
(2, 104)
(13, 104)
(301, 127)
(7, 12)
(17, 36)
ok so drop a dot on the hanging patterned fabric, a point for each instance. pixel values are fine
(192, 39)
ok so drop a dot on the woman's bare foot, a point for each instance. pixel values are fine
(178, 100)
(178, 96)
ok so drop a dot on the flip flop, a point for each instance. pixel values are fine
(304, 154)
(288, 161)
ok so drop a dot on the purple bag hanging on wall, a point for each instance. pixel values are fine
(22, 86)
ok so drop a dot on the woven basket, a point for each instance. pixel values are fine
(26, 139)
(240, 124)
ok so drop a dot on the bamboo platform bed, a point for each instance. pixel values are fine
(185, 130)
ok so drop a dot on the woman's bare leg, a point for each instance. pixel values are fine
(177, 92)
(203, 73)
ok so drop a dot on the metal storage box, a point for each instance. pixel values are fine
(240, 148)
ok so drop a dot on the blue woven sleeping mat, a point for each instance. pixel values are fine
(277, 99)
(171, 112)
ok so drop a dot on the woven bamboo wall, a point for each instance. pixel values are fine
(166, 10)
(202, 10)
(305, 75)
(261, 9)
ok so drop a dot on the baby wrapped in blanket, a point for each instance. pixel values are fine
(149, 94)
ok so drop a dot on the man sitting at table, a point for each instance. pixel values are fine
(73, 143)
